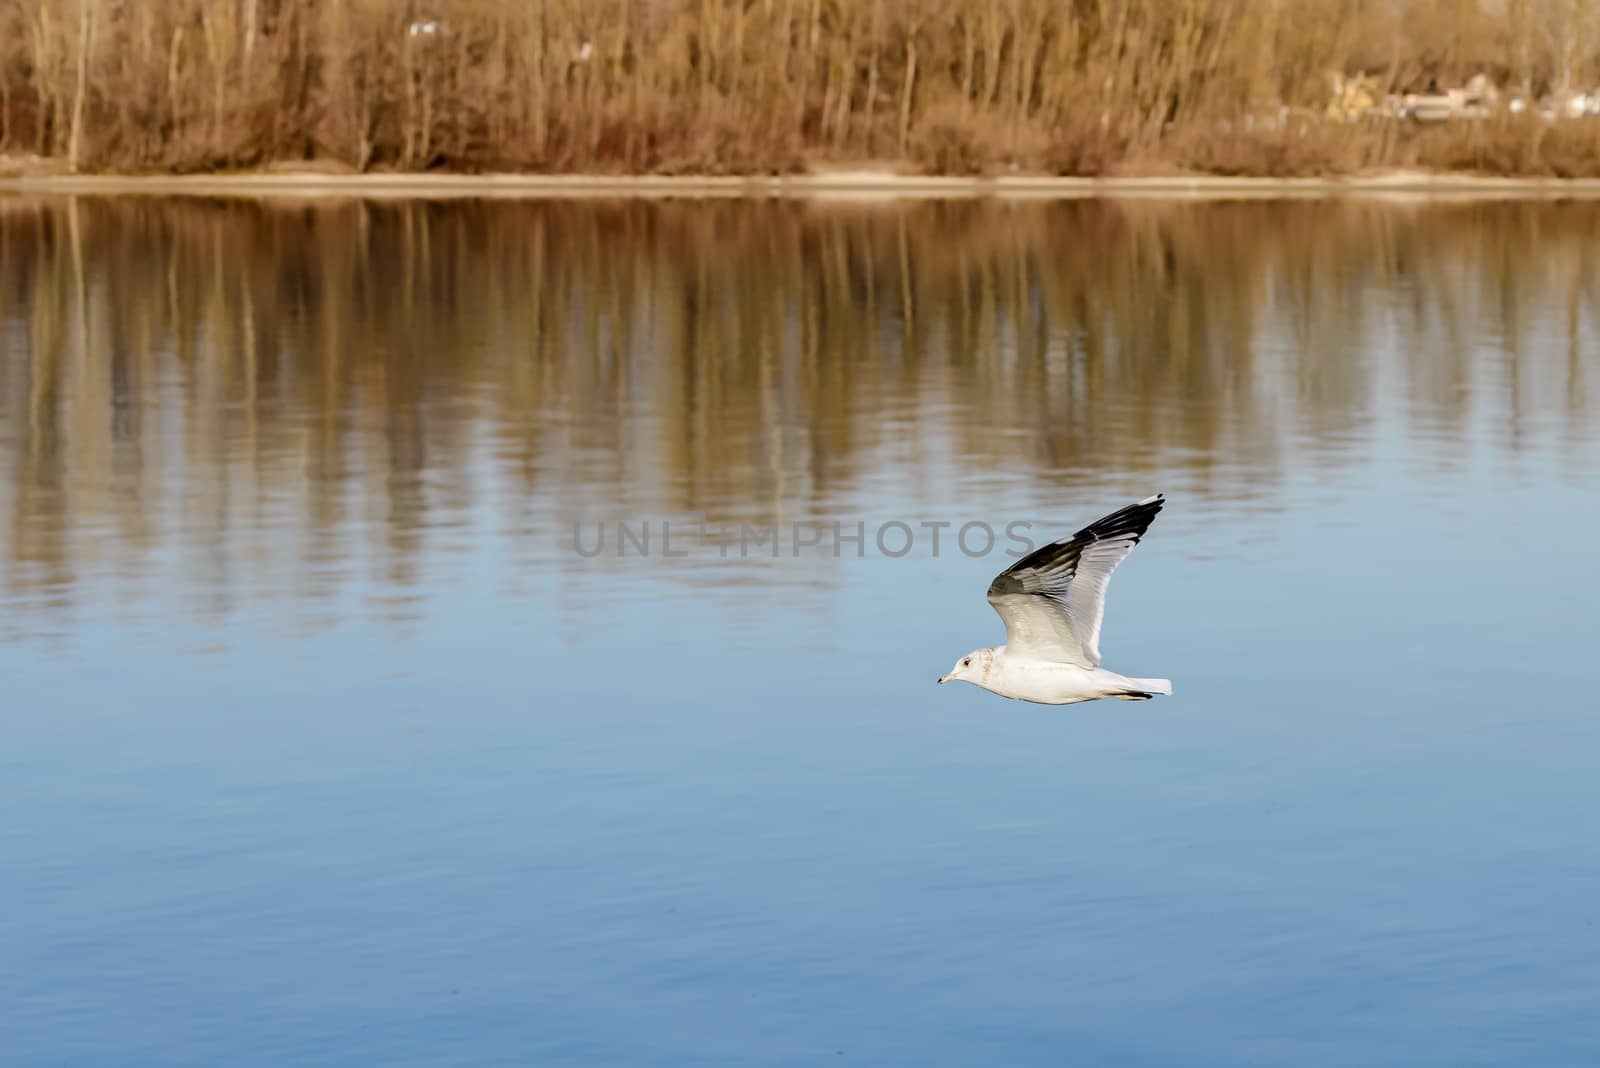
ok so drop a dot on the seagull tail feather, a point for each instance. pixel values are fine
(1144, 689)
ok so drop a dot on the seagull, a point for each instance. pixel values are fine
(1052, 601)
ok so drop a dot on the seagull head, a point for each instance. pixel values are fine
(970, 668)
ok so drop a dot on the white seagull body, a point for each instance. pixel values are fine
(1052, 602)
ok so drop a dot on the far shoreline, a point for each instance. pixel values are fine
(855, 185)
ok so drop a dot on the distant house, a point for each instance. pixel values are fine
(1358, 96)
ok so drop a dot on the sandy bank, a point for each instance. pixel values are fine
(843, 184)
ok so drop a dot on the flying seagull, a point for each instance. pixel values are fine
(1052, 601)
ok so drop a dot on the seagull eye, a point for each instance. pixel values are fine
(967, 662)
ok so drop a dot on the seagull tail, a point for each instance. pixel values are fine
(1144, 689)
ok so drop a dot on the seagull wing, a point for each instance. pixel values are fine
(1053, 599)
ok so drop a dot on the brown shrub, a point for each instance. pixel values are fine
(951, 138)
(1511, 146)
(1291, 148)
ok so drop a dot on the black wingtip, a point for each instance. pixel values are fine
(1130, 521)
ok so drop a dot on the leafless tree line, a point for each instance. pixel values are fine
(1063, 86)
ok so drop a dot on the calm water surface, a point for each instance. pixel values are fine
(325, 744)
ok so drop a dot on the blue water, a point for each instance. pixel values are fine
(324, 745)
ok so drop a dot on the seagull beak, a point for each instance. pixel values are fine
(942, 679)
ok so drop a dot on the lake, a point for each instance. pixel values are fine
(505, 633)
